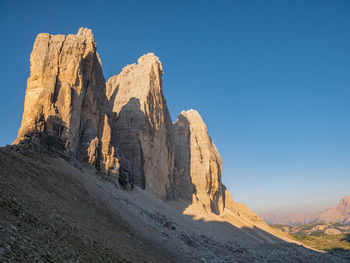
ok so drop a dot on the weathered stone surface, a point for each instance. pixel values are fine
(65, 103)
(142, 124)
(229, 203)
(197, 163)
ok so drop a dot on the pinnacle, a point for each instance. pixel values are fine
(148, 58)
(86, 32)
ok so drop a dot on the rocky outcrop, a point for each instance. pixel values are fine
(142, 124)
(338, 214)
(197, 163)
(66, 105)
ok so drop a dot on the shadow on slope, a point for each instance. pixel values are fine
(48, 214)
(52, 211)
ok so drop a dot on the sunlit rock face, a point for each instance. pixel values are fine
(121, 127)
(142, 124)
(197, 169)
(338, 214)
(197, 163)
(66, 105)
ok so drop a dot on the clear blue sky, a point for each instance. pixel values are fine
(271, 79)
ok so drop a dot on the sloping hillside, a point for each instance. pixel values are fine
(53, 209)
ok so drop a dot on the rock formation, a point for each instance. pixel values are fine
(197, 169)
(122, 127)
(66, 105)
(197, 163)
(124, 130)
(142, 124)
(338, 214)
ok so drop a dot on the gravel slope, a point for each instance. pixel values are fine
(56, 210)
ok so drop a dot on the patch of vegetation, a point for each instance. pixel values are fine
(326, 242)
(337, 245)
(316, 235)
(316, 229)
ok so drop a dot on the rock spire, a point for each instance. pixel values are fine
(197, 162)
(143, 125)
(66, 105)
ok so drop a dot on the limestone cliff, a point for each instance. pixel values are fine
(66, 105)
(122, 127)
(197, 163)
(197, 169)
(142, 124)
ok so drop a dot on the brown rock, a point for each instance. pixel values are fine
(65, 104)
(142, 124)
(229, 203)
(197, 163)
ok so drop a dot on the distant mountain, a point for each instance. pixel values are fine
(334, 214)
(338, 214)
(292, 219)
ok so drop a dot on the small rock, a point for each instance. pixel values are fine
(169, 225)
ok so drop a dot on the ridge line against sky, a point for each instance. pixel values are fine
(269, 78)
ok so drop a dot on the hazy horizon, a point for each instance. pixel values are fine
(270, 80)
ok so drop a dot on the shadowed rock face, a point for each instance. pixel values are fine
(65, 101)
(197, 163)
(142, 124)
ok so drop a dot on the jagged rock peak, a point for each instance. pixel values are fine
(150, 59)
(86, 32)
(145, 64)
(66, 104)
(143, 124)
(339, 213)
(197, 163)
(193, 115)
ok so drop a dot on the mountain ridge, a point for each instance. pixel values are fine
(112, 145)
(335, 214)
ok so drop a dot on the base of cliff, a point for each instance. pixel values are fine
(54, 209)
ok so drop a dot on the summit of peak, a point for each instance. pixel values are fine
(192, 114)
(192, 111)
(345, 201)
(148, 57)
(86, 32)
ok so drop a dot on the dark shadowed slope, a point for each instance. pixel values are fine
(53, 210)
